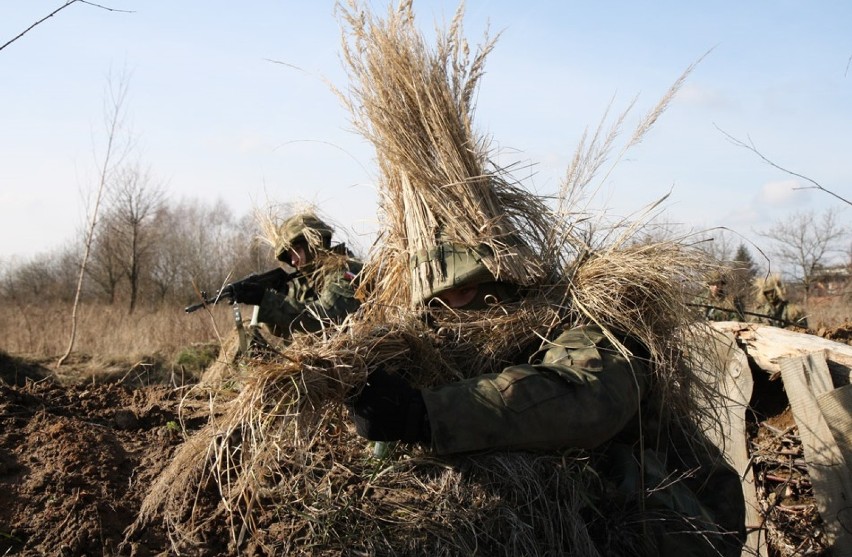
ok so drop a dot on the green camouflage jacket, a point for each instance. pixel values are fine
(728, 308)
(312, 301)
(581, 394)
(782, 314)
(585, 394)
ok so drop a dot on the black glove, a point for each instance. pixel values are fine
(389, 409)
(248, 292)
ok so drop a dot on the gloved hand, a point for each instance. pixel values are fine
(389, 409)
(248, 292)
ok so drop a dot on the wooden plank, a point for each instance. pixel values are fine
(828, 470)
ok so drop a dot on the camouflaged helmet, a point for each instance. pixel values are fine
(772, 283)
(458, 265)
(304, 226)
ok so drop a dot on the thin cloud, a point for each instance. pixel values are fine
(745, 216)
(704, 97)
(780, 194)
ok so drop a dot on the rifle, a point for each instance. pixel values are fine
(275, 279)
(769, 317)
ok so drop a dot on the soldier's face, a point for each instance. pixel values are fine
(476, 296)
(299, 255)
(458, 297)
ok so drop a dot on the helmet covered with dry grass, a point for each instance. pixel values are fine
(718, 277)
(304, 227)
(769, 285)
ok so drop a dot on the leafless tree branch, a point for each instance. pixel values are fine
(750, 146)
(56, 11)
(107, 8)
(805, 242)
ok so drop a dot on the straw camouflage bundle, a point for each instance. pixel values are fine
(279, 466)
(415, 104)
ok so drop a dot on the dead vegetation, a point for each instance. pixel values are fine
(792, 524)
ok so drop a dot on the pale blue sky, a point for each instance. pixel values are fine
(215, 119)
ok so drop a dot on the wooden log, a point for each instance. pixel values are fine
(768, 345)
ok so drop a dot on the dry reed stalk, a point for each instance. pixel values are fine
(414, 103)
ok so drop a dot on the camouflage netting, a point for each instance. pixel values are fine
(279, 464)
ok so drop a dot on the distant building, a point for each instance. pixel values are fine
(831, 280)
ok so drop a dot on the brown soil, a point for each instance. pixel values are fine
(77, 460)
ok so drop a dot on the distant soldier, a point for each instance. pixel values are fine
(320, 294)
(773, 308)
(323, 291)
(719, 304)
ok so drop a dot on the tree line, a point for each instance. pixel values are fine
(805, 248)
(148, 251)
(144, 252)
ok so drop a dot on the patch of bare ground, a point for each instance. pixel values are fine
(76, 460)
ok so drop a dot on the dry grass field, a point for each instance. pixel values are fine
(160, 339)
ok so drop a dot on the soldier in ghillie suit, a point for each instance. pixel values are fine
(719, 304)
(533, 378)
(773, 308)
(545, 344)
(583, 390)
(323, 291)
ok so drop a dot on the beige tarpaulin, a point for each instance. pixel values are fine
(727, 362)
(806, 378)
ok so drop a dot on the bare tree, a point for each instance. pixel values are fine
(114, 151)
(718, 243)
(104, 268)
(215, 238)
(134, 200)
(166, 265)
(805, 241)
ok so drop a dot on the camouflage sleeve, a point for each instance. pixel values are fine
(582, 394)
(288, 313)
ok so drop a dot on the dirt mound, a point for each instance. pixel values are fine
(76, 461)
(841, 333)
